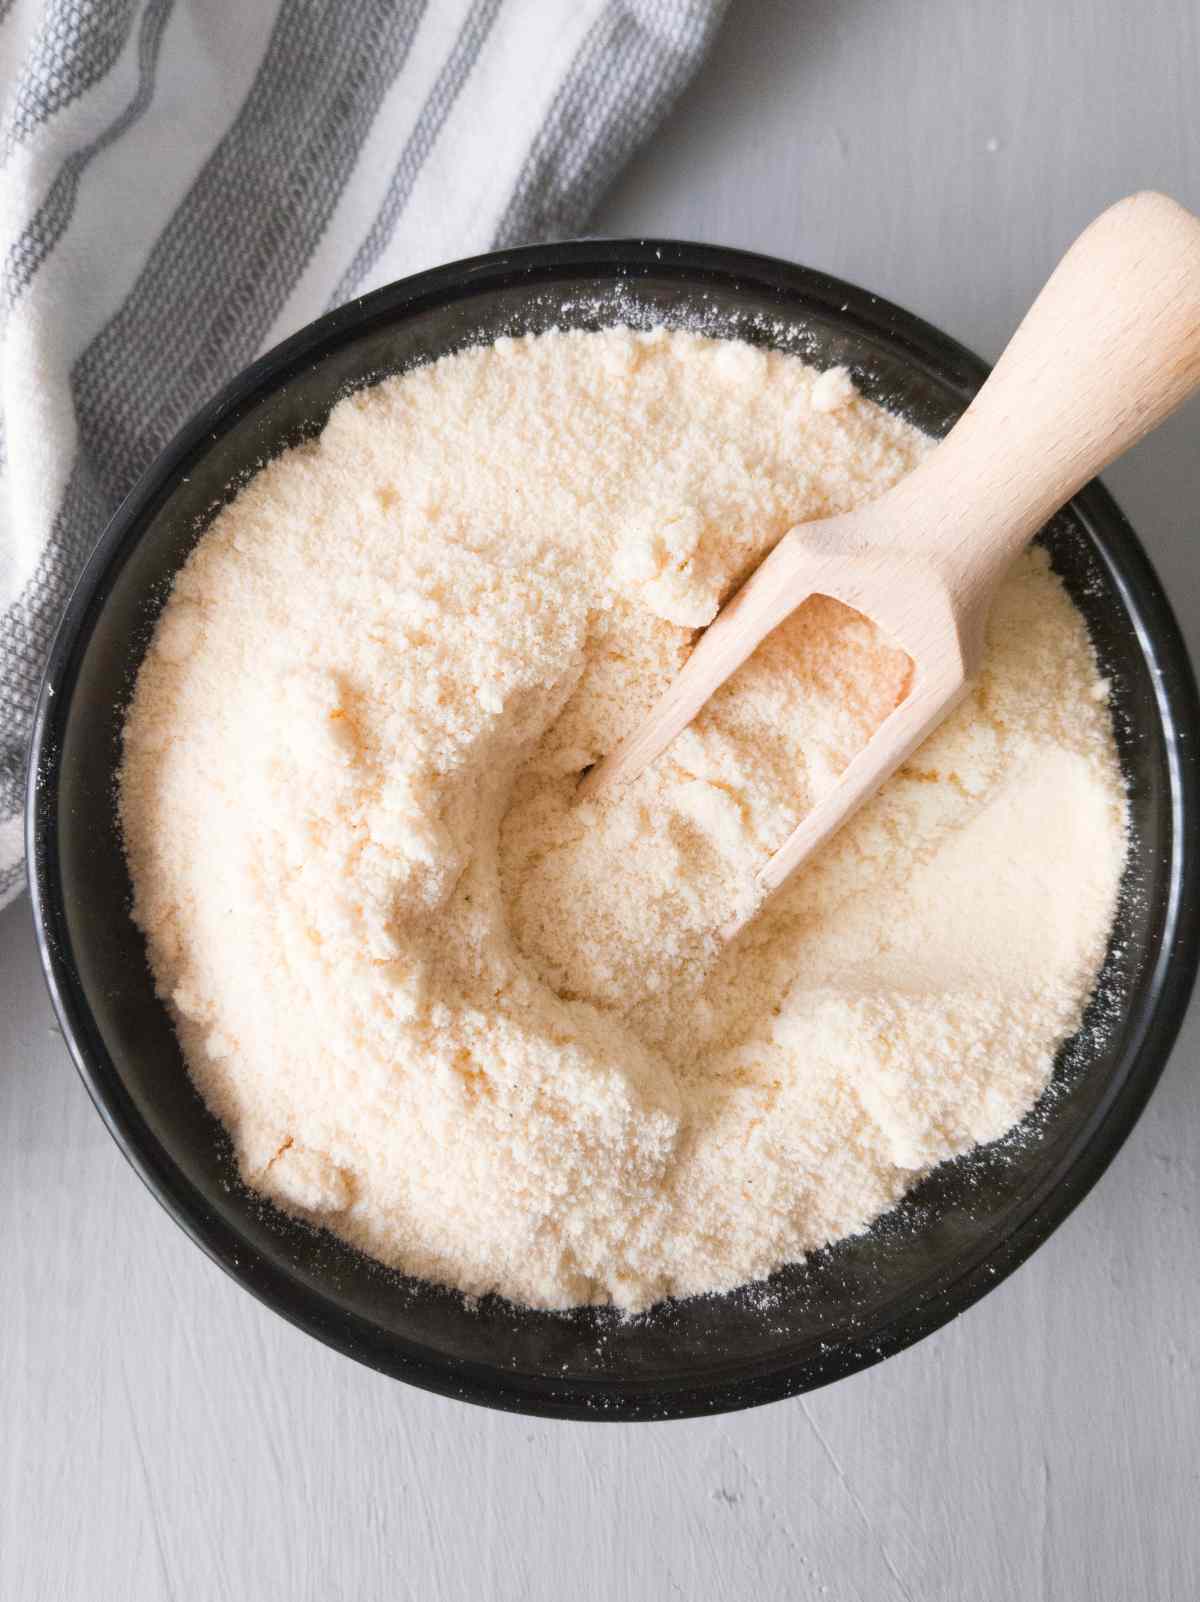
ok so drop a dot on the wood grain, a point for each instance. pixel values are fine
(164, 1437)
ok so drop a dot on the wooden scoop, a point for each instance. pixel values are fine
(1110, 347)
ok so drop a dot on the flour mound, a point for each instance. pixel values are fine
(489, 1035)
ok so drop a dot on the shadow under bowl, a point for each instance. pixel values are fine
(965, 1227)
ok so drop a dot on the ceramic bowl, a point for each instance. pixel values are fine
(956, 1236)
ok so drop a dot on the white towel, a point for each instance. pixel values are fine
(184, 182)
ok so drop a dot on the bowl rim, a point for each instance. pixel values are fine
(1086, 1157)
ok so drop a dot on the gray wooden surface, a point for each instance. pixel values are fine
(162, 1436)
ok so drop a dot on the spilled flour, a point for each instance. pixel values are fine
(488, 1035)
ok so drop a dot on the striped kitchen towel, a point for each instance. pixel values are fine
(184, 182)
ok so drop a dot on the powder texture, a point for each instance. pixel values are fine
(489, 1035)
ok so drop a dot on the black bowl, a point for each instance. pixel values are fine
(962, 1231)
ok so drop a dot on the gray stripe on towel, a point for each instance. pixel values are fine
(37, 240)
(438, 105)
(626, 76)
(76, 45)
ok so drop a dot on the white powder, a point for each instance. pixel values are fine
(489, 1035)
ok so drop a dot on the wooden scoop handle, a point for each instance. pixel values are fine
(1108, 349)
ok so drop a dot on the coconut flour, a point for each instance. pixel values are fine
(489, 1035)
